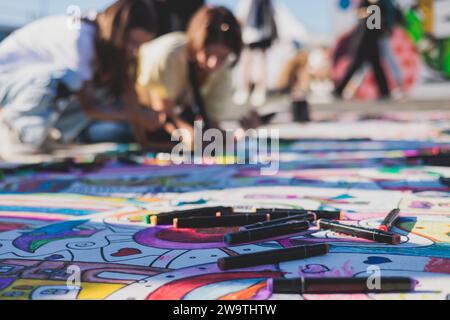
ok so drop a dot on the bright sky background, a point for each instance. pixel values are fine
(314, 14)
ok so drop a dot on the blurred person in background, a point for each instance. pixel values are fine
(306, 72)
(174, 15)
(367, 48)
(64, 82)
(293, 79)
(188, 76)
(394, 17)
(259, 31)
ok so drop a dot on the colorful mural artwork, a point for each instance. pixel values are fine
(84, 235)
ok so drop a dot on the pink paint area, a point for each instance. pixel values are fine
(36, 217)
(178, 289)
(6, 226)
(405, 55)
(168, 238)
(438, 265)
(266, 292)
(322, 271)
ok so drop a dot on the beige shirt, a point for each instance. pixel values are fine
(164, 68)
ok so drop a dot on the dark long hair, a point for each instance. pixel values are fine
(112, 66)
(214, 25)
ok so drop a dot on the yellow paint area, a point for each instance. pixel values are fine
(22, 289)
(433, 230)
(149, 200)
(98, 291)
(426, 6)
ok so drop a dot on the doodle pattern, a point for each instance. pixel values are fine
(121, 257)
(85, 236)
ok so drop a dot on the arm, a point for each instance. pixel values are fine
(156, 102)
(140, 120)
(132, 113)
(87, 104)
(220, 105)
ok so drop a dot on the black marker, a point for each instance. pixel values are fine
(310, 217)
(326, 214)
(272, 256)
(440, 159)
(265, 119)
(56, 166)
(359, 232)
(390, 219)
(232, 220)
(166, 218)
(283, 214)
(63, 166)
(321, 214)
(284, 210)
(339, 285)
(277, 230)
(445, 180)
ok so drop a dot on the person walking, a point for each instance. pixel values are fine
(259, 31)
(367, 41)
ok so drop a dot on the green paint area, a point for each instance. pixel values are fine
(407, 225)
(437, 250)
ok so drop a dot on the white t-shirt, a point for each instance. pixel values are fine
(53, 41)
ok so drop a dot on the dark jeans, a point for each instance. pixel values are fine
(367, 51)
(121, 132)
(105, 131)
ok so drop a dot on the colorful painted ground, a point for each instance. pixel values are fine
(82, 235)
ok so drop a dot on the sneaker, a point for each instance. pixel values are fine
(336, 95)
(384, 97)
(258, 98)
(398, 95)
(240, 97)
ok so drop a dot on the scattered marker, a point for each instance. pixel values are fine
(339, 285)
(389, 221)
(359, 232)
(272, 231)
(272, 256)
